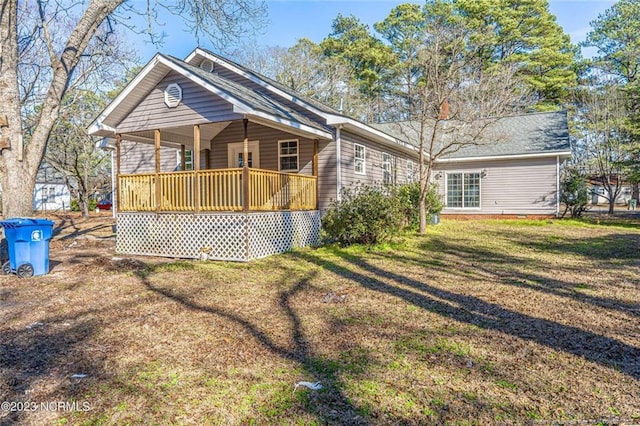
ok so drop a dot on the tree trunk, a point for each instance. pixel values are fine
(611, 205)
(83, 200)
(17, 192)
(422, 211)
(19, 164)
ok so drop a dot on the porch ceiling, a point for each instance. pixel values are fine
(180, 135)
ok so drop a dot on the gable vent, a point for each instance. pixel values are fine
(173, 95)
(206, 65)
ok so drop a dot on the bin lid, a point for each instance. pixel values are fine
(18, 222)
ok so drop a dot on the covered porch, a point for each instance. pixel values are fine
(233, 189)
(234, 213)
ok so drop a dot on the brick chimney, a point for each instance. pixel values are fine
(444, 110)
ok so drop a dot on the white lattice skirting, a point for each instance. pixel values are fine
(223, 236)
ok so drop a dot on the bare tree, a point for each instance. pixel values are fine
(305, 69)
(458, 98)
(46, 46)
(73, 153)
(601, 125)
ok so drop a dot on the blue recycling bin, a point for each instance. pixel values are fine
(28, 246)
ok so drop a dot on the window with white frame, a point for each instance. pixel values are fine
(463, 190)
(288, 155)
(188, 159)
(360, 162)
(386, 168)
(411, 171)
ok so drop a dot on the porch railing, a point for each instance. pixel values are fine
(219, 190)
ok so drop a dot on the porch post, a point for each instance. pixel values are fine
(245, 167)
(207, 159)
(315, 168)
(117, 186)
(156, 137)
(196, 166)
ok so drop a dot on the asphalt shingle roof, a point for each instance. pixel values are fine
(535, 133)
(256, 100)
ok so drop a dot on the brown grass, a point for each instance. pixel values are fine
(474, 323)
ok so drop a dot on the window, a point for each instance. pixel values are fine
(386, 168)
(188, 159)
(411, 171)
(48, 195)
(288, 155)
(463, 190)
(359, 164)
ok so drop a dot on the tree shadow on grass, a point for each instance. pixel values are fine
(331, 405)
(37, 363)
(507, 269)
(472, 310)
(620, 246)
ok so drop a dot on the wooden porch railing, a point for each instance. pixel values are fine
(220, 190)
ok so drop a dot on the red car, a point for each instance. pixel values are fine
(104, 205)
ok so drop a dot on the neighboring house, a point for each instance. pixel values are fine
(51, 192)
(214, 158)
(598, 193)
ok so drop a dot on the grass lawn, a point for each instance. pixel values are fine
(477, 322)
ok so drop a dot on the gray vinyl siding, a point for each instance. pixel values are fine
(510, 187)
(198, 106)
(373, 162)
(268, 139)
(327, 173)
(136, 157)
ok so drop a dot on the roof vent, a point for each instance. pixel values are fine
(206, 65)
(173, 95)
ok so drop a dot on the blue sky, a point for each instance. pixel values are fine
(290, 20)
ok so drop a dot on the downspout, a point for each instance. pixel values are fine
(338, 164)
(557, 186)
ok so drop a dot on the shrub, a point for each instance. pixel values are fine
(368, 214)
(574, 193)
(365, 214)
(409, 197)
(75, 206)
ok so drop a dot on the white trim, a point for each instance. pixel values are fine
(239, 106)
(232, 67)
(172, 95)
(355, 159)
(297, 155)
(386, 160)
(505, 157)
(97, 124)
(409, 164)
(186, 163)
(331, 119)
(234, 147)
(338, 164)
(288, 123)
(446, 190)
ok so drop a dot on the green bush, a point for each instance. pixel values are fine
(75, 206)
(409, 197)
(366, 214)
(574, 192)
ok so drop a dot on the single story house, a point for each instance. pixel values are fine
(212, 157)
(51, 192)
